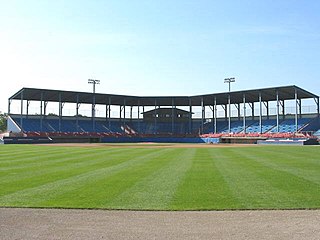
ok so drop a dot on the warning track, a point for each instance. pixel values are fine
(18, 223)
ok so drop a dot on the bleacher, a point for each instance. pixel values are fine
(317, 134)
(267, 125)
(289, 125)
(114, 126)
(237, 126)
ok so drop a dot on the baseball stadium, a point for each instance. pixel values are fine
(178, 166)
(221, 151)
(259, 116)
(206, 124)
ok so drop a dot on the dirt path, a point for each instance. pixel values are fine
(50, 224)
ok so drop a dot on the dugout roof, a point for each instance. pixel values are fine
(267, 94)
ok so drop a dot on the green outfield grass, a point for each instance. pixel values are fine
(253, 177)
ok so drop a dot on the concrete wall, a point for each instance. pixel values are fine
(158, 140)
(288, 142)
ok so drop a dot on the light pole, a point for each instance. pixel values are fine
(94, 82)
(229, 81)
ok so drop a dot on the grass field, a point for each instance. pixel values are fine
(160, 178)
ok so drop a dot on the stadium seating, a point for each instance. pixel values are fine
(237, 126)
(267, 125)
(290, 126)
(53, 125)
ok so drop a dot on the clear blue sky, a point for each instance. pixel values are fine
(158, 47)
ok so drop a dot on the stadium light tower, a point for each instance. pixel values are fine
(229, 81)
(94, 82)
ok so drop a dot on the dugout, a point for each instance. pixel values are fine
(241, 140)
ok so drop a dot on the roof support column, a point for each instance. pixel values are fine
(225, 112)
(124, 111)
(318, 105)
(77, 112)
(296, 110)
(107, 110)
(266, 104)
(244, 113)
(283, 110)
(229, 117)
(9, 106)
(60, 111)
(21, 111)
(41, 107)
(109, 114)
(252, 110)
(212, 121)
(139, 116)
(45, 108)
(172, 116)
(215, 115)
(277, 97)
(93, 114)
(190, 116)
(202, 115)
(155, 116)
(260, 112)
(300, 110)
(28, 104)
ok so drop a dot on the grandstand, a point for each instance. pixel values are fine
(169, 117)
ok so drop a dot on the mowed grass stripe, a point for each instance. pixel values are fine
(248, 188)
(275, 160)
(111, 186)
(258, 186)
(298, 155)
(44, 175)
(297, 190)
(48, 153)
(34, 196)
(12, 150)
(15, 158)
(261, 177)
(156, 190)
(203, 187)
(56, 159)
(44, 172)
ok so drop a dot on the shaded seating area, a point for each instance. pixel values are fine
(243, 113)
(34, 124)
